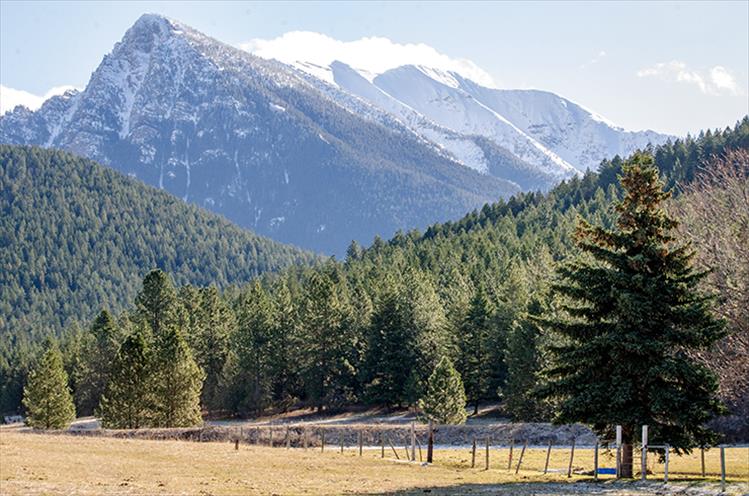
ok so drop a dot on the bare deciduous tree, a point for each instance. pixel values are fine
(714, 214)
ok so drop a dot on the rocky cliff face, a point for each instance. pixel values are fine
(254, 140)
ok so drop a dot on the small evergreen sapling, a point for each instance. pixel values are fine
(445, 399)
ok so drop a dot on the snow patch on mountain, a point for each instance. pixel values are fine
(557, 136)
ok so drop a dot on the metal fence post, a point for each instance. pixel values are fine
(665, 470)
(644, 456)
(618, 451)
(595, 461)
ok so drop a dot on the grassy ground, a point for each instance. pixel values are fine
(33, 464)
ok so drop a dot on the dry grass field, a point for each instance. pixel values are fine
(32, 464)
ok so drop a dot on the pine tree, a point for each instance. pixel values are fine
(425, 316)
(407, 337)
(286, 352)
(523, 367)
(326, 344)
(177, 382)
(634, 312)
(156, 303)
(46, 397)
(253, 348)
(475, 352)
(128, 399)
(445, 398)
(390, 351)
(100, 351)
(175, 379)
(214, 325)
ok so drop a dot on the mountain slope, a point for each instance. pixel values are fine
(253, 140)
(76, 236)
(549, 133)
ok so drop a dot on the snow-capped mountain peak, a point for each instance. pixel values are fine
(553, 134)
(268, 146)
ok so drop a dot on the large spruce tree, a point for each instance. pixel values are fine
(633, 313)
(47, 398)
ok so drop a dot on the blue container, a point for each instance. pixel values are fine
(607, 471)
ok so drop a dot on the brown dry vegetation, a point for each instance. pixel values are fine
(714, 215)
(61, 464)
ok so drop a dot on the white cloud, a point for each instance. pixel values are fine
(375, 55)
(716, 81)
(10, 97)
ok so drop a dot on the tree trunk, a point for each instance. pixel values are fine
(626, 467)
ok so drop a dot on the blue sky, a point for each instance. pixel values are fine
(670, 66)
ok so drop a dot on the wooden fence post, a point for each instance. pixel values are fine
(322, 440)
(702, 459)
(236, 444)
(361, 442)
(509, 462)
(473, 453)
(548, 454)
(572, 457)
(390, 442)
(340, 439)
(522, 452)
(487, 454)
(665, 469)
(382, 445)
(722, 469)
(430, 443)
(413, 441)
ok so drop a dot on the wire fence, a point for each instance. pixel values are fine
(521, 457)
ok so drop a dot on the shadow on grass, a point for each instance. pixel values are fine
(619, 488)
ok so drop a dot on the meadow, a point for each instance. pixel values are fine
(32, 464)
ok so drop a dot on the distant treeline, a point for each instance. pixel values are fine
(373, 327)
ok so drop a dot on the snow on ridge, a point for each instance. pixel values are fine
(54, 132)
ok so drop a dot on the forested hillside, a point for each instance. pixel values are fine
(77, 236)
(373, 327)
